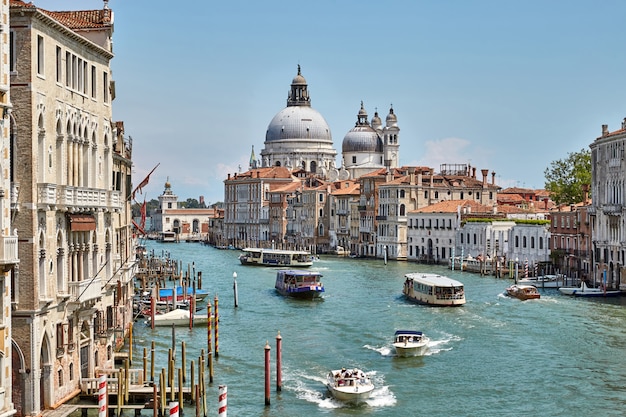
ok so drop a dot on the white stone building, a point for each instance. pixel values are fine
(608, 208)
(298, 137)
(369, 146)
(174, 223)
(8, 238)
(75, 253)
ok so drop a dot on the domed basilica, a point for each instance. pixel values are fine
(299, 138)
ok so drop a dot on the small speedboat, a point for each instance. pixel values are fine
(585, 291)
(523, 292)
(351, 385)
(410, 343)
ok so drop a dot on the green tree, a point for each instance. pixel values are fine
(565, 178)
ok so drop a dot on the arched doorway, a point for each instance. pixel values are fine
(45, 366)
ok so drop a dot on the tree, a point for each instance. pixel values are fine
(565, 178)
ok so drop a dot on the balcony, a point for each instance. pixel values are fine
(8, 252)
(381, 218)
(612, 208)
(83, 291)
(70, 197)
(362, 208)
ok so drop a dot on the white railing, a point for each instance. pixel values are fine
(86, 290)
(78, 197)
(8, 250)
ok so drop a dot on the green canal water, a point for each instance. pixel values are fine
(495, 356)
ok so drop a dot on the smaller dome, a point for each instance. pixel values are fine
(298, 79)
(361, 139)
(376, 122)
(391, 118)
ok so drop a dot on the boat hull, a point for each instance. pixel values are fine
(177, 318)
(585, 291)
(352, 395)
(415, 349)
(310, 294)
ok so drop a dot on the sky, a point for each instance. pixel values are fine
(508, 86)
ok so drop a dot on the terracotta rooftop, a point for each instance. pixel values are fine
(452, 206)
(79, 19)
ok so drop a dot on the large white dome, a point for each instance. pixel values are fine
(298, 122)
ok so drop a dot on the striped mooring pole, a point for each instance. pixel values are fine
(223, 401)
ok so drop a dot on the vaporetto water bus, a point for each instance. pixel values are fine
(433, 289)
(275, 257)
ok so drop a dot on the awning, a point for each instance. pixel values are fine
(81, 222)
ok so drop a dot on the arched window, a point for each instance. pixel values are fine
(402, 210)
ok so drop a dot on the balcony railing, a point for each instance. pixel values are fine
(8, 250)
(83, 291)
(612, 208)
(78, 197)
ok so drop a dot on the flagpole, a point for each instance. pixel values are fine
(144, 182)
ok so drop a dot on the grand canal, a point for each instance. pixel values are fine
(495, 356)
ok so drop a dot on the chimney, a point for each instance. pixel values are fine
(485, 172)
(493, 177)
(474, 172)
(605, 130)
(229, 176)
(412, 182)
(545, 204)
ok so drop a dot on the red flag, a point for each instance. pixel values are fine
(144, 182)
(143, 214)
(139, 228)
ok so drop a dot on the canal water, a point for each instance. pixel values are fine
(495, 356)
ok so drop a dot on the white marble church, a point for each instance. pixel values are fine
(299, 138)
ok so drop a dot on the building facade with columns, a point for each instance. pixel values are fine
(75, 247)
(608, 208)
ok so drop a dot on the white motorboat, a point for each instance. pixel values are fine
(410, 343)
(351, 385)
(585, 291)
(544, 281)
(178, 317)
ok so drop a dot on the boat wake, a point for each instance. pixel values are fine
(437, 346)
(383, 350)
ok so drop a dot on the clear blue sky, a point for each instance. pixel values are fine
(508, 86)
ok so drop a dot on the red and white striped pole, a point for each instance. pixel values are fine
(174, 409)
(223, 401)
(102, 396)
(216, 321)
